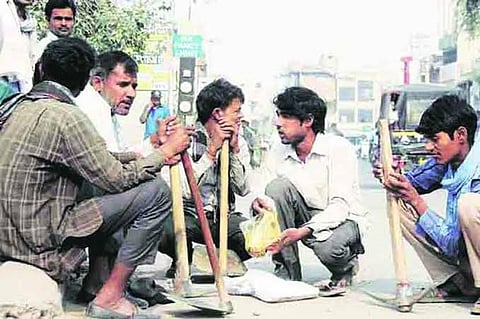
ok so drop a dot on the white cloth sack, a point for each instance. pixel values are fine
(268, 287)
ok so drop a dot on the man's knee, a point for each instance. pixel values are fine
(156, 190)
(331, 253)
(468, 208)
(278, 187)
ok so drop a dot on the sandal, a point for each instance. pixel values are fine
(476, 308)
(96, 311)
(329, 289)
(85, 297)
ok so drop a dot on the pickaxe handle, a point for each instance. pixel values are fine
(224, 176)
(207, 235)
(393, 209)
(183, 272)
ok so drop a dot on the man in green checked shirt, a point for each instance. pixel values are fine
(49, 147)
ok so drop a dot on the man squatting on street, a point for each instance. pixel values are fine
(449, 246)
(313, 185)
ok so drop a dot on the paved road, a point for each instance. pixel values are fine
(376, 274)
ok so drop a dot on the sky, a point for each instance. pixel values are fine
(260, 36)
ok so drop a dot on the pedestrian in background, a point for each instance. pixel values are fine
(60, 15)
(18, 40)
(153, 112)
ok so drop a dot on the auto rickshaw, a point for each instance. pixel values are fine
(403, 106)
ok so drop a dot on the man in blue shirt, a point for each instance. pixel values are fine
(447, 244)
(153, 112)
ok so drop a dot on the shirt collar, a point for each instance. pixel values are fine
(52, 90)
(320, 147)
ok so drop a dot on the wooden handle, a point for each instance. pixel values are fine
(393, 209)
(183, 272)
(207, 235)
(224, 164)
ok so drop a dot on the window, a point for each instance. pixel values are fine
(365, 90)
(365, 116)
(346, 93)
(346, 115)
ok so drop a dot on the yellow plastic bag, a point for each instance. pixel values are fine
(260, 232)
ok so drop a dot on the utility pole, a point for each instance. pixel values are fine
(406, 68)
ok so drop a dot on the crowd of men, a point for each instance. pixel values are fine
(69, 182)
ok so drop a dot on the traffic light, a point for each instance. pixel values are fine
(186, 110)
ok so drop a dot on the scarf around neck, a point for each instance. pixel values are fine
(43, 90)
(459, 181)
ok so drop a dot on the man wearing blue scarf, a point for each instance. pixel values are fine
(448, 244)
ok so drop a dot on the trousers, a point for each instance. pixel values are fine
(338, 252)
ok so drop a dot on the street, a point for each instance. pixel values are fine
(376, 275)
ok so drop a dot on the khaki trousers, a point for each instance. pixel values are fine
(439, 266)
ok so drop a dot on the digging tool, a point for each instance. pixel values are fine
(403, 299)
(224, 164)
(225, 303)
(183, 288)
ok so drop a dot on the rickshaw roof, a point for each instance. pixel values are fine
(423, 91)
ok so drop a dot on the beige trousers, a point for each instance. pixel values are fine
(438, 265)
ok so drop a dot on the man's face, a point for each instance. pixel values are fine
(290, 129)
(443, 148)
(156, 100)
(233, 112)
(61, 22)
(119, 90)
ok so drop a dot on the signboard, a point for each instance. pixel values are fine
(154, 63)
(153, 76)
(187, 46)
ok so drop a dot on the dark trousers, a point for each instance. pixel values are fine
(338, 252)
(131, 226)
(235, 241)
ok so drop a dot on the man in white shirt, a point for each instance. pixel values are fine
(17, 39)
(111, 93)
(60, 15)
(312, 183)
(112, 90)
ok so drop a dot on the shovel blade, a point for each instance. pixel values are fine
(204, 305)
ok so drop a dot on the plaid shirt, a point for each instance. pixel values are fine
(48, 148)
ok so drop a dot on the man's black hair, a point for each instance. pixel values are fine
(303, 104)
(59, 4)
(68, 61)
(446, 114)
(219, 93)
(107, 61)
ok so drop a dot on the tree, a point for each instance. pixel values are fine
(468, 13)
(104, 25)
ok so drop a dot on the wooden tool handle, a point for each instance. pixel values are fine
(207, 235)
(393, 209)
(183, 272)
(224, 177)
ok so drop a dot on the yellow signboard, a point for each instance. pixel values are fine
(155, 63)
